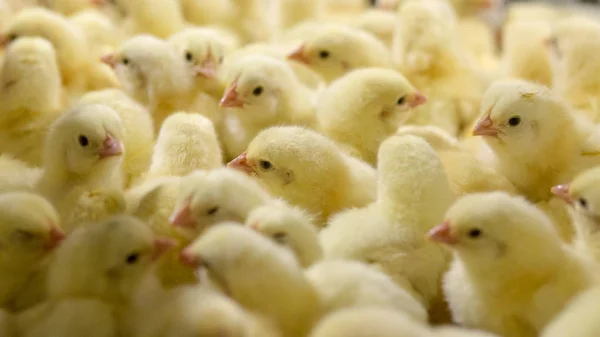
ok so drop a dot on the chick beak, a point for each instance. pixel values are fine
(183, 217)
(417, 99)
(187, 258)
(240, 163)
(485, 4)
(207, 70)
(298, 55)
(109, 59)
(562, 191)
(4, 41)
(254, 226)
(442, 234)
(485, 127)
(110, 147)
(231, 98)
(97, 2)
(56, 236)
(161, 246)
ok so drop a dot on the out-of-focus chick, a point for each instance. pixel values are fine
(186, 142)
(15, 175)
(209, 197)
(251, 21)
(293, 12)
(525, 51)
(308, 170)
(336, 49)
(454, 331)
(345, 284)
(138, 131)
(207, 13)
(289, 226)
(30, 92)
(101, 33)
(478, 37)
(504, 245)
(532, 11)
(67, 7)
(368, 322)
(578, 318)
(262, 92)
(363, 108)
(258, 274)
(377, 22)
(29, 231)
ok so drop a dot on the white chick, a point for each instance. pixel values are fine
(30, 91)
(363, 108)
(308, 170)
(505, 245)
(261, 92)
(289, 226)
(578, 318)
(335, 50)
(272, 279)
(345, 284)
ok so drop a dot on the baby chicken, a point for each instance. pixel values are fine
(29, 231)
(504, 245)
(186, 142)
(261, 92)
(308, 170)
(101, 33)
(30, 91)
(290, 227)
(208, 13)
(15, 175)
(578, 318)
(377, 22)
(293, 12)
(336, 49)
(345, 284)
(366, 106)
(251, 21)
(272, 279)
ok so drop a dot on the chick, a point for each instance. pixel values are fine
(29, 231)
(308, 170)
(261, 92)
(479, 38)
(335, 50)
(15, 175)
(290, 227)
(186, 142)
(251, 21)
(31, 98)
(368, 322)
(345, 284)
(492, 236)
(578, 318)
(364, 107)
(377, 22)
(208, 13)
(453, 331)
(209, 197)
(100, 32)
(272, 279)
(293, 12)
(67, 7)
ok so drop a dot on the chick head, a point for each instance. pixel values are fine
(490, 227)
(83, 138)
(202, 50)
(516, 112)
(29, 228)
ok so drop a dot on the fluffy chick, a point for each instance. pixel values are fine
(293, 12)
(492, 236)
(29, 231)
(30, 91)
(251, 21)
(366, 106)
(578, 318)
(262, 92)
(345, 284)
(272, 277)
(289, 226)
(101, 33)
(15, 175)
(377, 22)
(308, 170)
(336, 49)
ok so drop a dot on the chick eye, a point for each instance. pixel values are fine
(22, 235)
(279, 235)
(514, 121)
(265, 164)
(132, 258)
(125, 61)
(12, 37)
(582, 202)
(257, 91)
(220, 59)
(212, 211)
(323, 54)
(83, 141)
(475, 233)
(401, 100)
(188, 56)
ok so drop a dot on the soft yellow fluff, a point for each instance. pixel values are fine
(16, 175)
(578, 318)
(160, 18)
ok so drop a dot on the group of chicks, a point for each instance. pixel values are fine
(298, 168)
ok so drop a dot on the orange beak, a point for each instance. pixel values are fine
(4, 41)
(109, 59)
(562, 191)
(183, 217)
(231, 98)
(208, 70)
(485, 127)
(417, 99)
(298, 55)
(485, 4)
(187, 258)
(110, 147)
(240, 163)
(442, 234)
(254, 226)
(98, 2)
(56, 237)
(161, 246)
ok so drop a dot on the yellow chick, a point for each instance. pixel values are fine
(289, 226)
(293, 12)
(15, 175)
(29, 232)
(67, 7)
(529, 11)
(209, 197)
(363, 108)
(207, 13)
(578, 318)
(346, 284)
(186, 142)
(504, 245)
(101, 33)
(336, 49)
(479, 39)
(308, 170)
(271, 277)
(454, 331)
(377, 22)
(251, 21)
(261, 92)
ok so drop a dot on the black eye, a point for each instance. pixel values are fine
(514, 121)
(132, 258)
(324, 54)
(188, 56)
(22, 235)
(475, 233)
(265, 164)
(401, 100)
(257, 91)
(220, 59)
(125, 61)
(583, 203)
(83, 141)
(279, 235)
(12, 37)
(213, 211)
